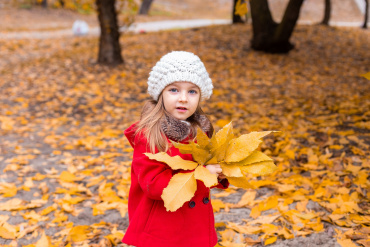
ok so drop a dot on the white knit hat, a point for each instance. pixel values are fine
(179, 66)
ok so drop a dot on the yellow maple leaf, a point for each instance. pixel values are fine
(364, 242)
(3, 219)
(107, 194)
(4, 233)
(66, 176)
(26, 230)
(175, 162)
(366, 75)
(254, 157)
(34, 216)
(180, 189)
(200, 155)
(251, 241)
(44, 241)
(6, 123)
(266, 219)
(241, 8)
(241, 182)
(217, 205)
(231, 170)
(95, 181)
(286, 233)
(227, 235)
(270, 240)
(260, 169)
(183, 148)
(59, 217)
(100, 208)
(75, 200)
(112, 80)
(247, 198)
(203, 174)
(346, 243)
(48, 210)
(13, 204)
(79, 233)
(221, 140)
(270, 203)
(202, 139)
(241, 147)
(115, 238)
(8, 189)
(269, 229)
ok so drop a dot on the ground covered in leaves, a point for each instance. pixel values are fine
(65, 165)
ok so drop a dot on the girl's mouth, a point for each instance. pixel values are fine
(181, 109)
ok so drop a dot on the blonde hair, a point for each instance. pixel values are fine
(152, 115)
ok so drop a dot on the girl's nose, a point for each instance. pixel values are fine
(183, 97)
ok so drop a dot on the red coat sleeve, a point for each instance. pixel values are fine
(222, 184)
(153, 176)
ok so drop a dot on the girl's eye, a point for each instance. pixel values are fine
(192, 92)
(174, 90)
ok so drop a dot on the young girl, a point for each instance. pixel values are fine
(177, 84)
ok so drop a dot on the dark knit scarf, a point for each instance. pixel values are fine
(178, 130)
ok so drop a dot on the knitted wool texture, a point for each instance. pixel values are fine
(179, 66)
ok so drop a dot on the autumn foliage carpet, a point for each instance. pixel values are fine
(65, 165)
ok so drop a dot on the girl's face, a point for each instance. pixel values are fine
(181, 99)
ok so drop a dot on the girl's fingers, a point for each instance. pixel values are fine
(215, 165)
(214, 168)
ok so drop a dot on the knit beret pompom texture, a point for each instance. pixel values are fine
(179, 66)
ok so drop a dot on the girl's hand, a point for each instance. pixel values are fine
(216, 169)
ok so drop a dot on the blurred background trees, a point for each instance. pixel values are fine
(268, 34)
(366, 14)
(109, 47)
(145, 6)
(327, 12)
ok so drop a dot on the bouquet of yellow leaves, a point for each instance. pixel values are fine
(236, 156)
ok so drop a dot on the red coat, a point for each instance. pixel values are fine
(150, 225)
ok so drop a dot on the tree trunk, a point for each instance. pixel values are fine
(248, 16)
(236, 18)
(262, 23)
(109, 47)
(366, 13)
(327, 12)
(61, 3)
(269, 36)
(145, 6)
(285, 29)
(44, 3)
